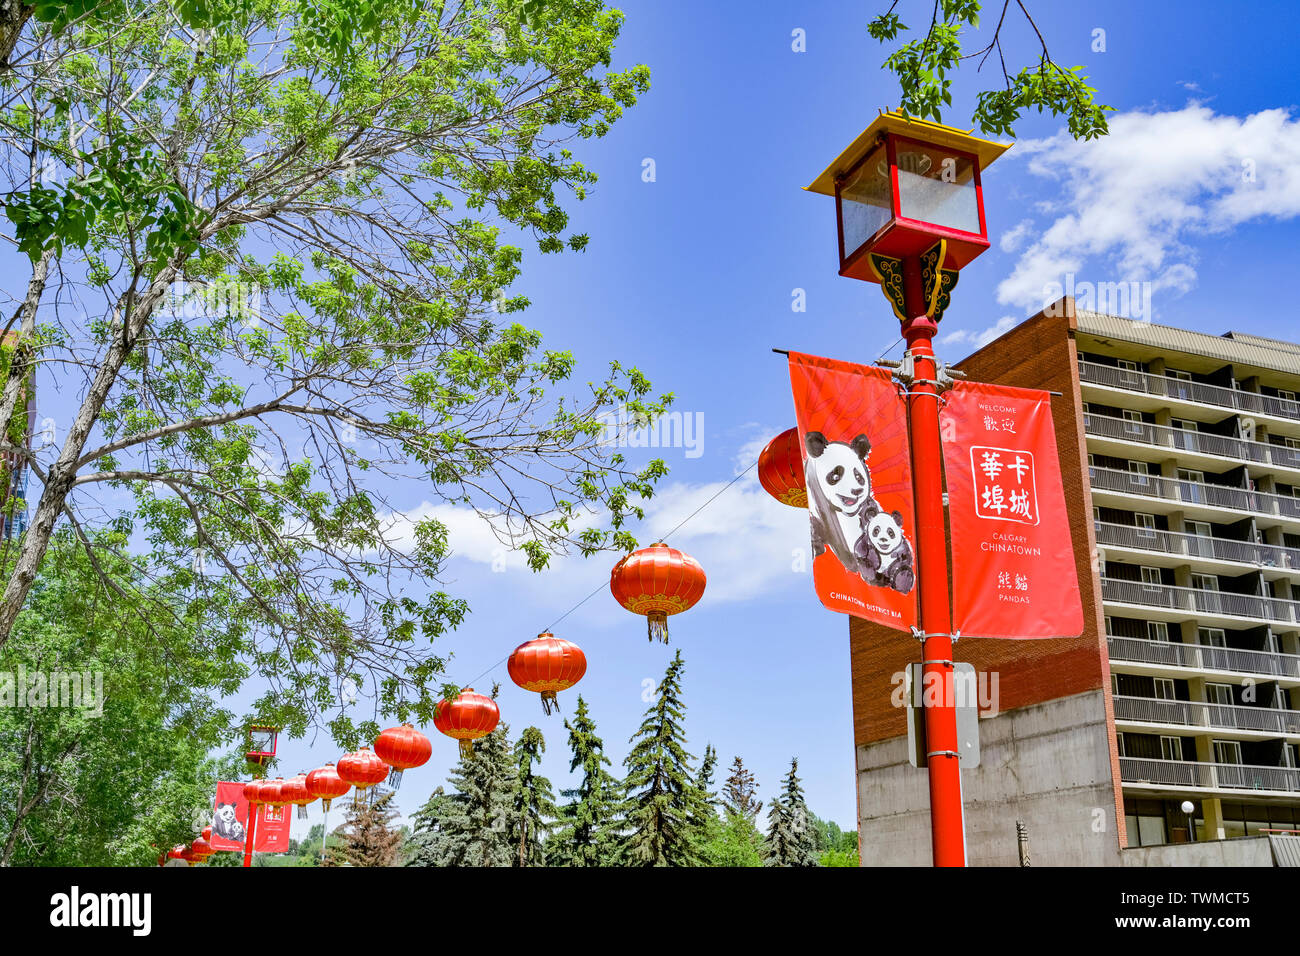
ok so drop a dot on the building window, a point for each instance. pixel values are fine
(1227, 751)
(1164, 688)
(1219, 694)
(1171, 748)
(1157, 631)
(1138, 472)
(1146, 525)
(1151, 578)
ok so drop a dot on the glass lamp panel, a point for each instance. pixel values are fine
(261, 741)
(866, 200)
(937, 186)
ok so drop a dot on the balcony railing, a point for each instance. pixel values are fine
(1195, 545)
(1199, 392)
(1204, 443)
(1194, 492)
(1201, 600)
(1195, 713)
(1208, 776)
(1203, 656)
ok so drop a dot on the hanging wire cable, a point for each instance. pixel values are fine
(550, 628)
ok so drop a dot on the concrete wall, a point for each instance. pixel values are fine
(1047, 764)
(1246, 851)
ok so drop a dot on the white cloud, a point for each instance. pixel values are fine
(981, 338)
(1015, 237)
(1133, 203)
(745, 539)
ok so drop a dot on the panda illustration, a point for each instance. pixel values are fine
(226, 825)
(839, 494)
(885, 551)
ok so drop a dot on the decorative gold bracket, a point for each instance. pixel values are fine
(936, 281)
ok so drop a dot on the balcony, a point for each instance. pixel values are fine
(1182, 774)
(1195, 713)
(1203, 657)
(1135, 538)
(1195, 493)
(1198, 601)
(1167, 387)
(1190, 442)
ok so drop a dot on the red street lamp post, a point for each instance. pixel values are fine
(910, 213)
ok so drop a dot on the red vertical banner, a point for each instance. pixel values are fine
(857, 466)
(230, 822)
(1013, 572)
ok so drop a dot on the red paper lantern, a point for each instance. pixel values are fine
(188, 856)
(206, 833)
(467, 718)
(546, 666)
(780, 469)
(270, 792)
(362, 769)
(201, 849)
(294, 791)
(325, 782)
(657, 581)
(176, 853)
(402, 748)
(253, 792)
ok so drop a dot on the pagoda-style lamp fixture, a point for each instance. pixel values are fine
(261, 744)
(902, 186)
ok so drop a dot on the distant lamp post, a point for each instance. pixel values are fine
(261, 744)
(1189, 808)
(909, 208)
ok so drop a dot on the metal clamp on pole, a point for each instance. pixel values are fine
(943, 753)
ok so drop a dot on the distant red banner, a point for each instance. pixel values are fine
(230, 822)
(853, 434)
(1013, 572)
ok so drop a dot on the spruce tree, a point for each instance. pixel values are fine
(705, 824)
(791, 840)
(368, 837)
(534, 804)
(737, 840)
(661, 798)
(472, 826)
(586, 826)
(739, 794)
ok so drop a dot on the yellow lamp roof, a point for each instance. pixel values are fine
(892, 121)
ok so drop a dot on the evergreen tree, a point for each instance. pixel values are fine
(791, 839)
(660, 794)
(368, 837)
(737, 840)
(705, 824)
(587, 824)
(534, 804)
(739, 794)
(473, 825)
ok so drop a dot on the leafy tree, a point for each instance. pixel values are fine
(661, 796)
(368, 837)
(272, 260)
(123, 771)
(791, 839)
(474, 825)
(834, 847)
(735, 841)
(739, 795)
(923, 67)
(586, 826)
(534, 805)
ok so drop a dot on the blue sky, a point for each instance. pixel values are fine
(691, 277)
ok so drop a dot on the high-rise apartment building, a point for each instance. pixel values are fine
(1180, 454)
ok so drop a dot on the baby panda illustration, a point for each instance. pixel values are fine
(839, 492)
(226, 825)
(885, 551)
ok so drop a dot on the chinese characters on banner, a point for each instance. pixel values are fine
(853, 434)
(230, 822)
(1013, 571)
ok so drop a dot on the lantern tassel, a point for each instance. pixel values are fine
(548, 702)
(326, 802)
(395, 777)
(302, 811)
(657, 626)
(466, 748)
